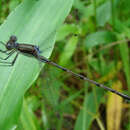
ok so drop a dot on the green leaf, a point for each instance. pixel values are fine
(103, 13)
(68, 50)
(124, 52)
(33, 22)
(99, 38)
(86, 11)
(28, 121)
(65, 30)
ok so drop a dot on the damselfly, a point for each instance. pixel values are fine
(12, 46)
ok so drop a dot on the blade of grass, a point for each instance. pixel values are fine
(89, 111)
(28, 121)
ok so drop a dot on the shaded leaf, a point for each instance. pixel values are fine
(103, 13)
(99, 38)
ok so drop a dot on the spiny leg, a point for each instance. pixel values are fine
(4, 51)
(10, 63)
(9, 55)
(2, 43)
(5, 46)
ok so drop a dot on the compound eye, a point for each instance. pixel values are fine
(13, 38)
(8, 46)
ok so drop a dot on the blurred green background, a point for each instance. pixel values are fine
(93, 41)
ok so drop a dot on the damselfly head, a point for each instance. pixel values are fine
(11, 44)
(13, 38)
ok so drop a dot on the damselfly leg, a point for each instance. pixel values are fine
(9, 63)
(9, 53)
(5, 51)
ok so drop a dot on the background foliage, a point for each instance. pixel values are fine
(93, 41)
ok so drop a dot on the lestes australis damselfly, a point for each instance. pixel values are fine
(13, 46)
